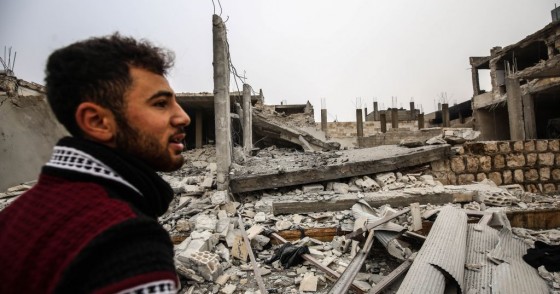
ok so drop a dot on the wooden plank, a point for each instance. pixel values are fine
(321, 234)
(535, 219)
(253, 182)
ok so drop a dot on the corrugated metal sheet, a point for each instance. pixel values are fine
(514, 276)
(478, 272)
(443, 253)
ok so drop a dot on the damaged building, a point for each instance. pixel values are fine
(276, 203)
(523, 100)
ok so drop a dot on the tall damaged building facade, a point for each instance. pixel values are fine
(524, 99)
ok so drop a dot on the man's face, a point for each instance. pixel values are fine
(152, 129)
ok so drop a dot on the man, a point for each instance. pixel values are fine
(90, 222)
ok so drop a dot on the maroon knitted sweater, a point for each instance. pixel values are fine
(88, 226)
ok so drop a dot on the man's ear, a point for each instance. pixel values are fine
(96, 122)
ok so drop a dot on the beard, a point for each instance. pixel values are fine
(146, 148)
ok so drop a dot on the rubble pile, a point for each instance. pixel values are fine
(212, 256)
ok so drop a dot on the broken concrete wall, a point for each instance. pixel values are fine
(349, 129)
(393, 137)
(28, 131)
(534, 164)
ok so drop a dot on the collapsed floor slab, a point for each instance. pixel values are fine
(283, 172)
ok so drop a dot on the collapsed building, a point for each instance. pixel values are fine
(295, 209)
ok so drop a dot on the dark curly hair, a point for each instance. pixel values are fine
(97, 70)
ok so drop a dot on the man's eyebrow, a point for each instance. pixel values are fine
(163, 93)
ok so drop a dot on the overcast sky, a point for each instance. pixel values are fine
(294, 50)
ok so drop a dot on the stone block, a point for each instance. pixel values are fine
(457, 164)
(495, 177)
(385, 179)
(308, 283)
(490, 147)
(518, 146)
(544, 173)
(465, 179)
(546, 159)
(499, 161)
(541, 145)
(555, 174)
(518, 176)
(206, 222)
(340, 188)
(206, 264)
(554, 145)
(485, 163)
(472, 164)
(219, 198)
(480, 177)
(451, 179)
(508, 177)
(531, 159)
(531, 175)
(313, 188)
(531, 188)
(207, 182)
(504, 147)
(515, 160)
(229, 289)
(529, 145)
(548, 188)
(239, 249)
(439, 165)
(254, 231)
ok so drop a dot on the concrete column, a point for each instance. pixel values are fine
(324, 126)
(394, 118)
(475, 81)
(199, 127)
(529, 117)
(375, 111)
(247, 119)
(420, 121)
(360, 122)
(412, 110)
(445, 114)
(221, 103)
(515, 109)
(365, 113)
(383, 119)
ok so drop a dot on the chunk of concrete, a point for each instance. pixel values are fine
(206, 264)
(308, 283)
(313, 188)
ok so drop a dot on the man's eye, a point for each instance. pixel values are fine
(160, 104)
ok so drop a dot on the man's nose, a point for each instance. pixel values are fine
(181, 118)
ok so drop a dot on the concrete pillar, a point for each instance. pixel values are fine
(394, 118)
(475, 81)
(420, 121)
(412, 110)
(247, 119)
(375, 111)
(221, 103)
(439, 106)
(445, 114)
(365, 113)
(515, 109)
(324, 126)
(529, 117)
(359, 123)
(383, 119)
(199, 127)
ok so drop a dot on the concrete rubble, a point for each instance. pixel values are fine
(211, 256)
